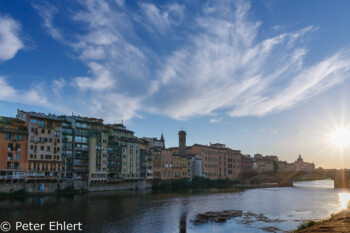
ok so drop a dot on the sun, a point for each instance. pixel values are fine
(341, 138)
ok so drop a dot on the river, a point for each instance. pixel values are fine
(143, 211)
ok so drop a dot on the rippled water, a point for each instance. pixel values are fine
(143, 211)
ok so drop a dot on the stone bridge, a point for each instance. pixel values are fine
(285, 179)
(341, 178)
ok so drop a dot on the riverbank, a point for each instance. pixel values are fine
(199, 183)
(336, 223)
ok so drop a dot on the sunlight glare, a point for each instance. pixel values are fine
(341, 138)
(344, 199)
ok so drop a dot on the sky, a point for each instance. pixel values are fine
(269, 77)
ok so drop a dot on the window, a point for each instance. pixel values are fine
(164, 173)
(17, 156)
(9, 156)
(9, 165)
(82, 125)
(42, 130)
(49, 131)
(33, 121)
(48, 148)
(41, 124)
(66, 124)
(18, 147)
(19, 137)
(81, 139)
(10, 147)
(57, 133)
(8, 136)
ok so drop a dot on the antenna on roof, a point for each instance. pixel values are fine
(122, 122)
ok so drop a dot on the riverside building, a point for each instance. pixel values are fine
(44, 145)
(218, 161)
(13, 149)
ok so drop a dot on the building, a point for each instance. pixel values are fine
(130, 146)
(98, 149)
(218, 161)
(156, 165)
(264, 164)
(300, 165)
(167, 165)
(114, 157)
(173, 165)
(67, 150)
(195, 167)
(152, 148)
(13, 149)
(247, 164)
(44, 145)
(81, 133)
(155, 142)
(145, 154)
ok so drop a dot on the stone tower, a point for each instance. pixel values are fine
(182, 142)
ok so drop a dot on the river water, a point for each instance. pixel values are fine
(143, 211)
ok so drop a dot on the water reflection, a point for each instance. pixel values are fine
(173, 212)
(344, 199)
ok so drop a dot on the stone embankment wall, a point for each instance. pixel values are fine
(47, 187)
(125, 185)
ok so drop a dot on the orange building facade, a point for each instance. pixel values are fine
(13, 149)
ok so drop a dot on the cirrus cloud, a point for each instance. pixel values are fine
(221, 63)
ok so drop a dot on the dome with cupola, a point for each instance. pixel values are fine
(300, 160)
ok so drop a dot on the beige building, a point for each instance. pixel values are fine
(173, 165)
(98, 144)
(130, 161)
(218, 161)
(44, 146)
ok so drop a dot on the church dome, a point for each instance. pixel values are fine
(300, 160)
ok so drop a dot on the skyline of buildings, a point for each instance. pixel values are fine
(46, 147)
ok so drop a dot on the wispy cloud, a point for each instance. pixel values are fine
(227, 68)
(10, 42)
(215, 120)
(47, 12)
(160, 19)
(221, 65)
(31, 96)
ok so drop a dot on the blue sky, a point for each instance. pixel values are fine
(267, 77)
